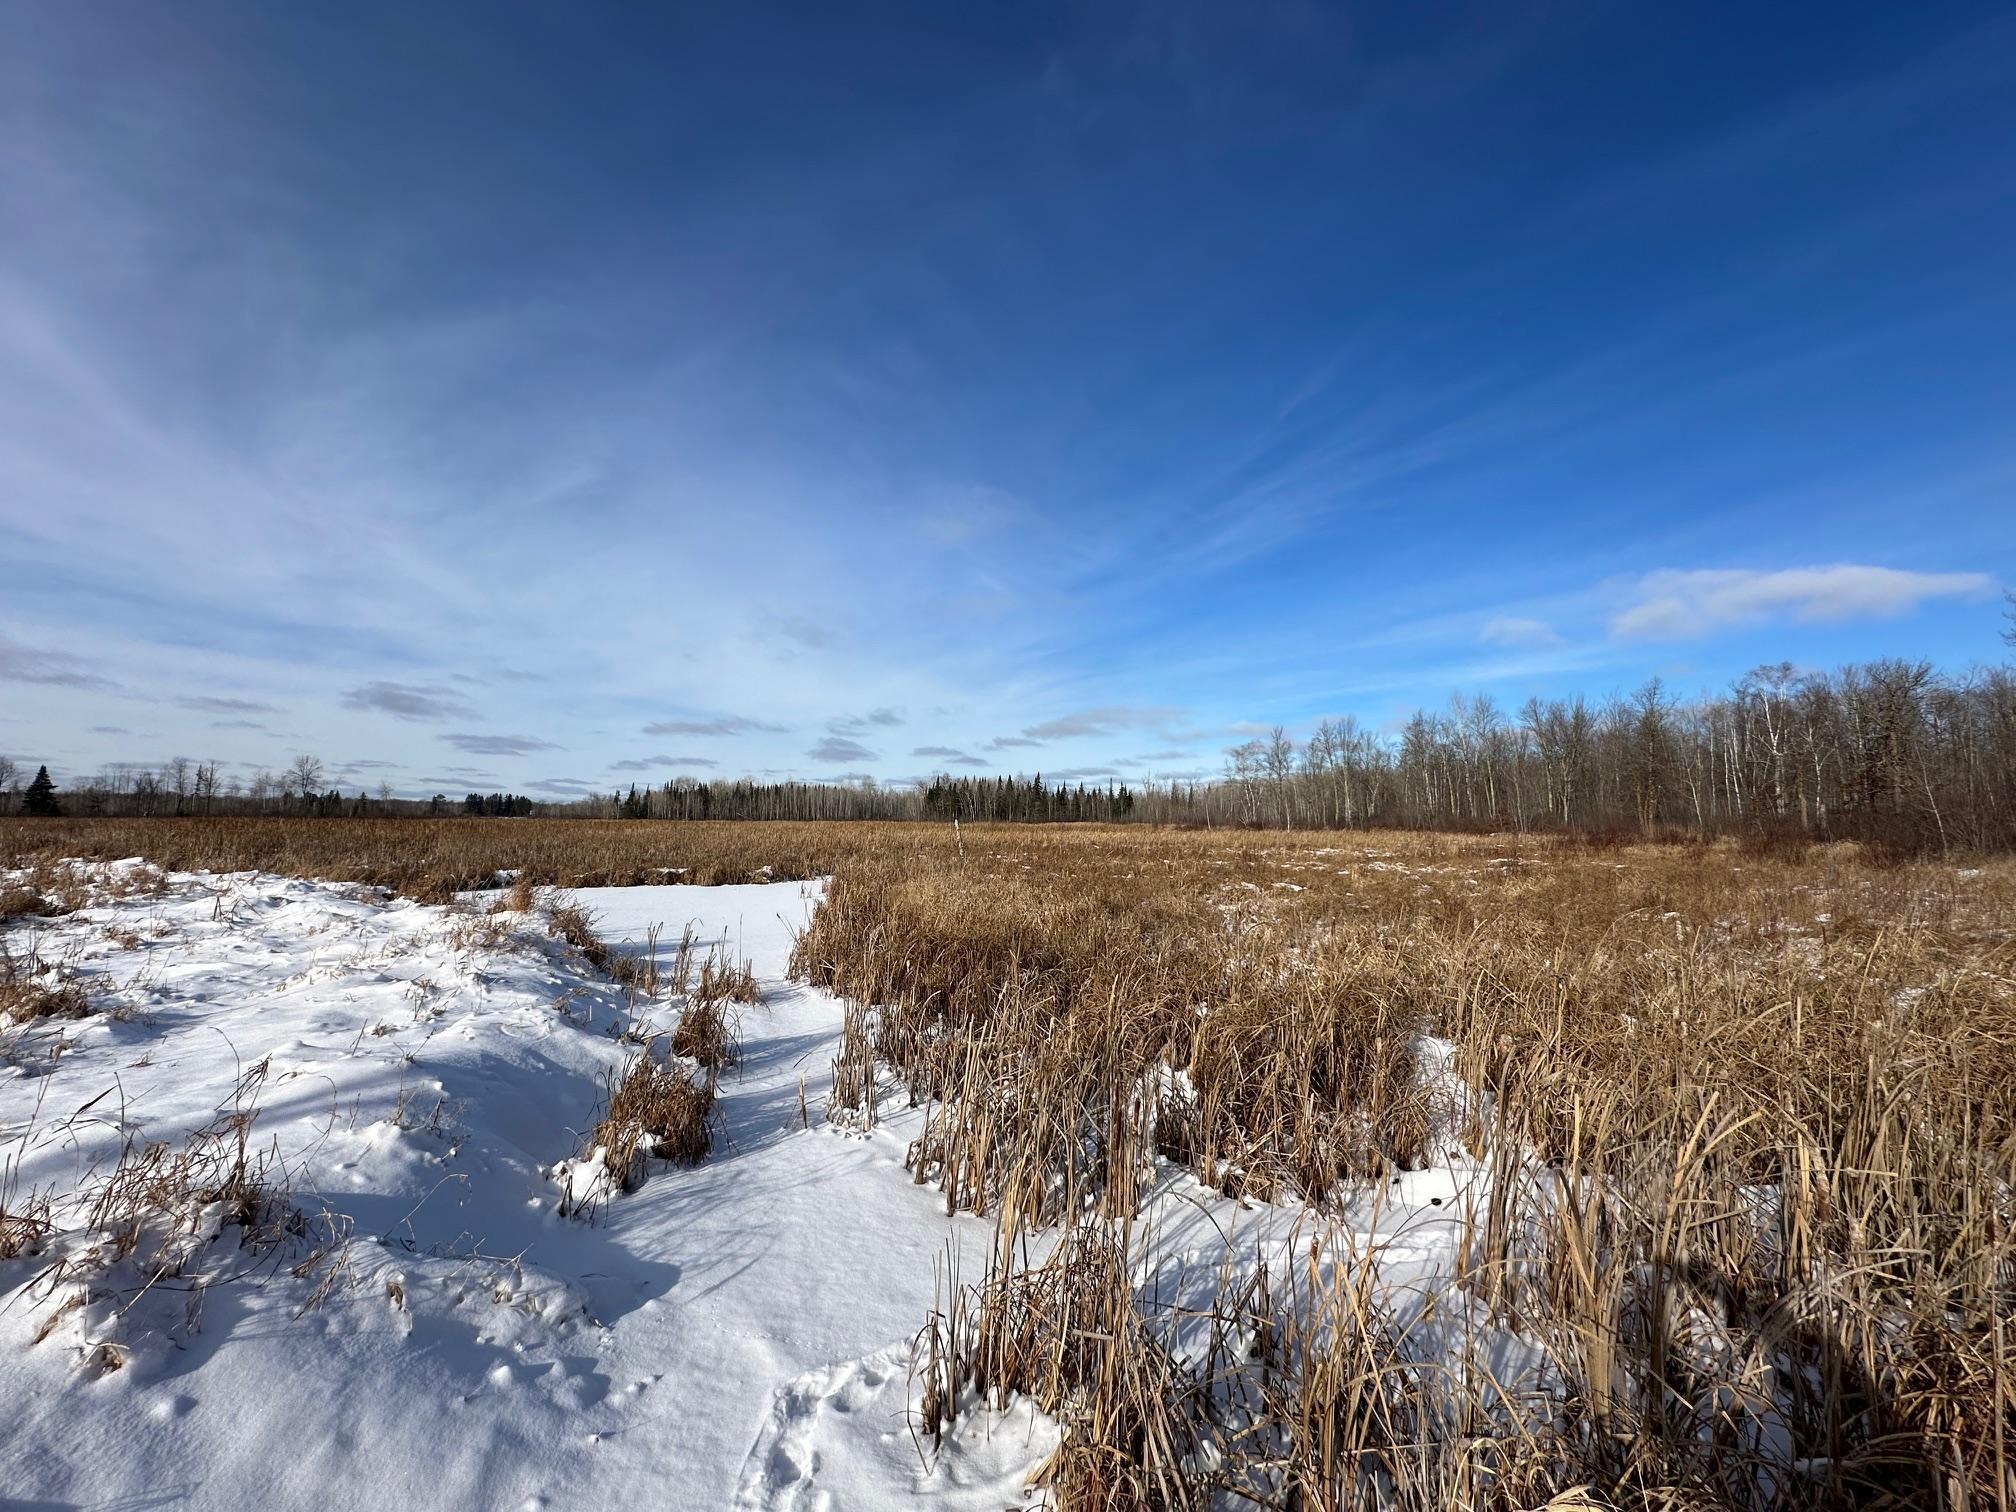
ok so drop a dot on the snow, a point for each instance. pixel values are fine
(733, 1334)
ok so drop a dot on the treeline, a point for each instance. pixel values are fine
(1891, 753)
(496, 805)
(686, 798)
(1015, 800)
(183, 788)
(1005, 799)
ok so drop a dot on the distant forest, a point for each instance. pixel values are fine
(1890, 752)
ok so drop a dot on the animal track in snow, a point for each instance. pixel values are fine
(782, 1471)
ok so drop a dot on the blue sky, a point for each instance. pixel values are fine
(550, 398)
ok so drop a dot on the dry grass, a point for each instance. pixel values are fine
(24, 1224)
(1040, 1011)
(706, 1031)
(1752, 1115)
(1749, 1113)
(657, 1112)
(152, 1217)
(569, 921)
(435, 859)
(18, 901)
(31, 990)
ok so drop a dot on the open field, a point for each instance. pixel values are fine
(1215, 1168)
(433, 859)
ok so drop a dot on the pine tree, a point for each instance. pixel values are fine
(40, 797)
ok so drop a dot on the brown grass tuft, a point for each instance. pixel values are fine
(30, 991)
(656, 1112)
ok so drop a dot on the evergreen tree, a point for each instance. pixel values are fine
(40, 797)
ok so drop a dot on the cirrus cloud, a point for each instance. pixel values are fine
(1675, 605)
(650, 763)
(836, 748)
(499, 745)
(408, 700)
(1106, 721)
(726, 724)
(29, 664)
(1515, 632)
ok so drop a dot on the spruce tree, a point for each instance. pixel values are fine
(40, 798)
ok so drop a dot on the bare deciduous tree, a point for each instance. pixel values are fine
(304, 778)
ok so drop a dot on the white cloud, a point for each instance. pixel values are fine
(837, 749)
(1099, 722)
(1688, 605)
(407, 701)
(1522, 634)
(499, 745)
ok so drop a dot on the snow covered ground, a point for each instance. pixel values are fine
(433, 1332)
(730, 1335)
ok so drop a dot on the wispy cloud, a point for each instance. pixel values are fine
(725, 724)
(950, 756)
(838, 748)
(408, 701)
(652, 763)
(1107, 721)
(566, 787)
(28, 664)
(207, 705)
(499, 745)
(1675, 605)
(1518, 632)
(861, 724)
(803, 631)
(1011, 743)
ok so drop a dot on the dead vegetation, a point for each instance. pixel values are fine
(1747, 1119)
(24, 1224)
(706, 1034)
(568, 921)
(656, 1112)
(150, 1220)
(1744, 1222)
(32, 989)
(433, 859)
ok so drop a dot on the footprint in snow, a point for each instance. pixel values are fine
(782, 1470)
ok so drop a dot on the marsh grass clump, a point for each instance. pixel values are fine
(24, 1224)
(570, 922)
(1064, 1027)
(722, 980)
(1744, 1115)
(706, 1032)
(32, 990)
(655, 1112)
(1067, 1335)
(151, 1219)
(19, 901)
